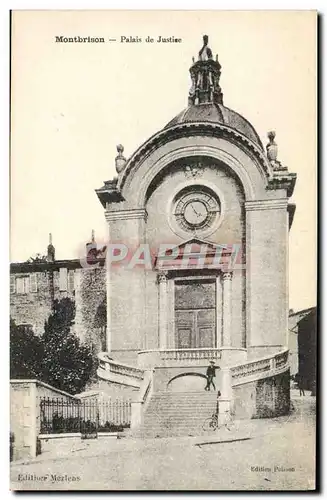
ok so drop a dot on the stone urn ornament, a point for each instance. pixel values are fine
(272, 148)
(272, 152)
(120, 159)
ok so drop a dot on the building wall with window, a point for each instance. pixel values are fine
(30, 297)
(35, 285)
(294, 341)
(307, 335)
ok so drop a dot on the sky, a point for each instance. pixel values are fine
(71, 104)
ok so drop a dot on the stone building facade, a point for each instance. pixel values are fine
(210, 206)
(196, 268)
(294, 322)
(36, 284)
(208, 158)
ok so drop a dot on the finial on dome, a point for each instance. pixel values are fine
(272, 153)
(272, 148)
(93, 236)
(120, 160)
(205, 53)
(205, 76)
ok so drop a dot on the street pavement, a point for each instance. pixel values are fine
(265, 454)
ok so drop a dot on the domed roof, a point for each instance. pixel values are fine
(217, 113)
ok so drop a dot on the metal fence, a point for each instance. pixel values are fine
(58, 415)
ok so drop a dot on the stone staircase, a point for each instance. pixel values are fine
(177, 413)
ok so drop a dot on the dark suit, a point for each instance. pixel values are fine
(211, 373)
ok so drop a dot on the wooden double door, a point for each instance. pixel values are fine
(195, 314)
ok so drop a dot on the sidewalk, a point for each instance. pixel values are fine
(244, 429)
(264, 454)
(240, 431)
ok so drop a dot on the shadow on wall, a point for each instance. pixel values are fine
(187, 382)
(100, 323)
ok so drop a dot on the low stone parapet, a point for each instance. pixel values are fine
(190, 357)
(119, 373)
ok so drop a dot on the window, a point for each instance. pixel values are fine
(71, 285)
(22, 284)
(33, 282)
(12, 284)
(63, 279)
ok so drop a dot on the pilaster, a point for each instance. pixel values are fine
(266, 274)
(219, 317)
(163, 309)
(227, 308)
(125, 281)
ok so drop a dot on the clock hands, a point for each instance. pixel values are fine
(196, 213)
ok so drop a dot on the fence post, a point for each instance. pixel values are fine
(136, 414)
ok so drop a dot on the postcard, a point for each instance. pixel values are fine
(163, 250)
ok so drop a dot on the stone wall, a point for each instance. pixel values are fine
(268, 397)
(90, 301)
(85, 286)
(23, 414)
(25, 398)
(32, 308)
(183, 378)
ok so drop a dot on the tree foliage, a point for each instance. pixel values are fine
(26, 352)
(67, 363)
(58, 358)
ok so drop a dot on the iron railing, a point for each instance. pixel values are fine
(58, 415)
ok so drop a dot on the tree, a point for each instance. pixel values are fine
(67, 363)
(26, 352)
(57, 357)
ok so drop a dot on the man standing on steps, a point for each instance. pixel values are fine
(211, 374)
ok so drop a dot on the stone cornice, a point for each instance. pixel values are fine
(109, 193)
(30, 267)
(188, 130)
(137, 213)
(280, 204)
(283, 181)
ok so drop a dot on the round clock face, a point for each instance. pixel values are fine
(196, 210)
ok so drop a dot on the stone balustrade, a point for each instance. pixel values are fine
(126, 370)
(281, 359)
(190, 357)
(119, 372)
(272, 363)
(190, 354)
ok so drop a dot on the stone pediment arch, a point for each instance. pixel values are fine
(195, 253)
(220, 143)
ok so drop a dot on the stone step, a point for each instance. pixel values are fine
(171, 421)
(207, 394)
(177, 413)
(164, 429)
(184, 408)
(191, 409)
(180, 395)
(184, 404)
